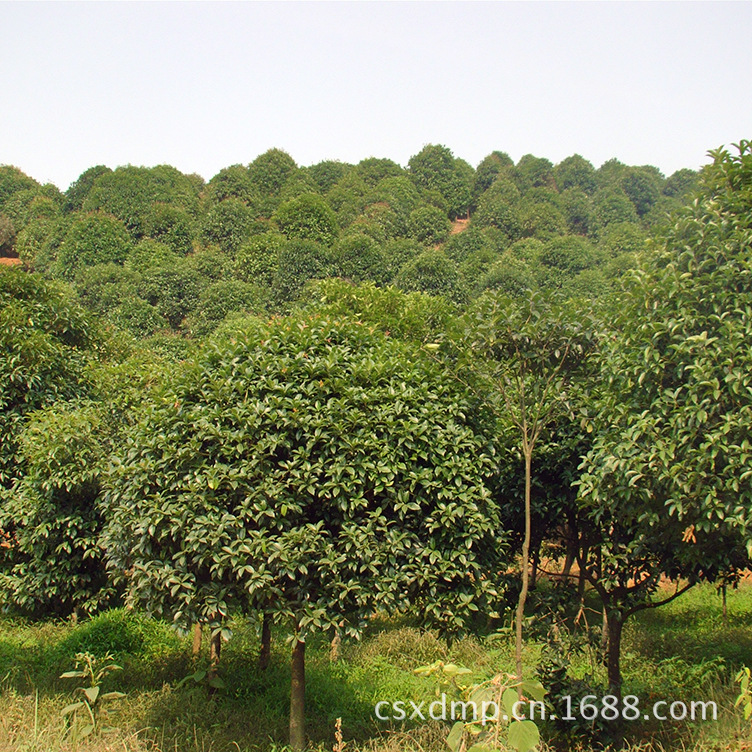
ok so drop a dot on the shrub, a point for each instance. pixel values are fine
(307, 217)
(92, 239)
(429, 225)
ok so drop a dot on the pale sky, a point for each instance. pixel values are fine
(204, 85)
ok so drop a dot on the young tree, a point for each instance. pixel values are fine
(525, 354)
(311, 469)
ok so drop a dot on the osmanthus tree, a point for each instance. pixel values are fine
(526, 357)
(315, 470)
(46, 339)
(667, 487)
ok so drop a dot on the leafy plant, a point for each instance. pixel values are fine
(83, 716)
(745, 695)
(503, 694)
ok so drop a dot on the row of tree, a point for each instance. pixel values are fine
(382, 449)
(154, 249)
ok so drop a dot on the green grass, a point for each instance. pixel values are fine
(682, 651)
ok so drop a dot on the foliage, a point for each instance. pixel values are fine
(257, 260)
(298, 262)
(221, 298)
(79, 189)
(431, 272)
(359, 258)
(93, 671)
(429, 225)
(575, 172)
(91, 239)
(173, 226)
(229, 224)
(53, 564)
(498, 712)
(172, 290)
(45, 340)
(307, 217)
(435, 168)
(129, 193)
(290, 504)
(668, 483)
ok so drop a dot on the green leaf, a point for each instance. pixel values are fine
(523, 735)
(92, 693)
(72, 708)
(455, 736)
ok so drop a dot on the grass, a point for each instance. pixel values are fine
(683, 651)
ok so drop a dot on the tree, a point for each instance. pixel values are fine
(129, 194)
(429, 225)
(79, 188)
(525, 353)
(269, 172)
(299, 261)
(91, 239)
(308, 217)
(575, 172)
(431, 272)
(313, 469)
(46, 339)
(667, 486)
(51, 515)
(229, 224)
(435, 168)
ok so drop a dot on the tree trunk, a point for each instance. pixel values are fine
(297, 697)
(534, 561)
(604, 637)
(266, 643)
(334, 648)
(196, 648)
(615, 625)
(525, 565)
(215, 649)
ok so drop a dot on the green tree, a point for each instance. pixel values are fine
(525, 354)
(312, 469)
(92, 238)
(129, 193)
(435, 168)
(431, 272)
(229, 224)
(79, 189)
(269, 172)
(575, 172)
(308, 217)
(667, 484)
(46, 340)
(359, 258)
(429, 225)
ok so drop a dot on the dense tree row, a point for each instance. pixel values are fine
(397, 444)
(154, 250)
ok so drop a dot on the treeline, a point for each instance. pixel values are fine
(153, 249)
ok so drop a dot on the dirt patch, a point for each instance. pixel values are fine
(459, 225)
(10, 262)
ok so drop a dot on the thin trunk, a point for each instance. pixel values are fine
(571, 550)
(334, 648)
(525, 565)
(197, 635)
(266, 643)
(297, 697)
(604, 635)
(215, 649)
(615, 625)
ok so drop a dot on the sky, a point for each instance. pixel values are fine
(203, 85)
